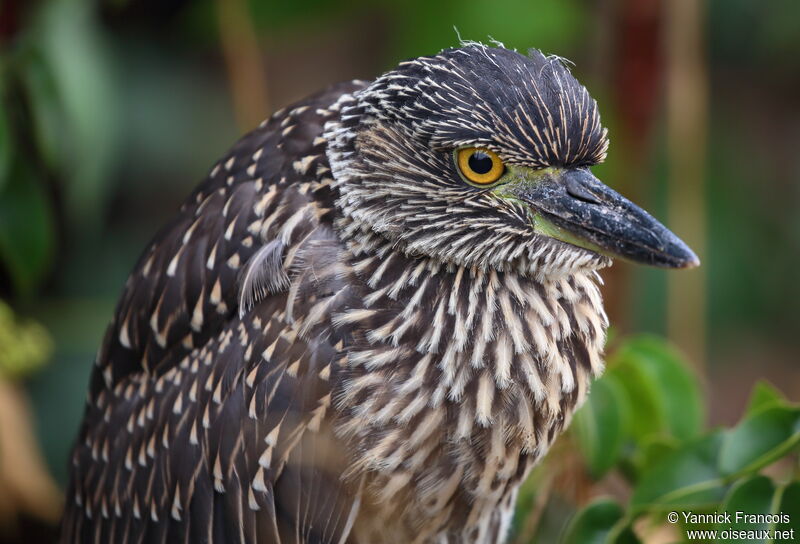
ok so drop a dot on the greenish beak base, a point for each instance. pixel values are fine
(575, 207)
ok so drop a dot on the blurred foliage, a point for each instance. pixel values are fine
(26, 486)
(65, 72)
(112, 110)
(644, 424)
(57, 126)
(24, 346)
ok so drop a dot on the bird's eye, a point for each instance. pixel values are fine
(478, 165)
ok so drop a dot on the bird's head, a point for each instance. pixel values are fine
(481, 156)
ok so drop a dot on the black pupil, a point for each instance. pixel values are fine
(480, 162)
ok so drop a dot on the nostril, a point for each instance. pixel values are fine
(576, 190)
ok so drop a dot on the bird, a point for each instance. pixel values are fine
(371, 319)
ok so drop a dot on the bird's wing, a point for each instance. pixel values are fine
(185, 286)
(205, 420)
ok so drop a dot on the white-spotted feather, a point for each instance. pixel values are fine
(263, 275)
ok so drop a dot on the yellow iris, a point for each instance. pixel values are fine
(479, 165)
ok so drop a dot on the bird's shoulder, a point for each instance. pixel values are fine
(216, 365)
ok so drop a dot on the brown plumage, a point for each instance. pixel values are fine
(339, 338)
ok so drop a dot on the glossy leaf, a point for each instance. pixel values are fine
(26, 229)
(650, 451)
(789, 509)
(48, 123)
(761, 438)
(647, 418)
(600, 425)
(688, 477)
(599, 523)
(751, 496)
(664, 391)
(72, 100)
(763, 394)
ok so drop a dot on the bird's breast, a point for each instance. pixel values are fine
(456, 381)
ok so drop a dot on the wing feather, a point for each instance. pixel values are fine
(206, 419)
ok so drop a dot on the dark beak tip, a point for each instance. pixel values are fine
(580, 203)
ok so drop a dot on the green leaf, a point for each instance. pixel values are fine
(665, 392)
(6, 140)
(652, 450)
(788, 509)
(601, 521)
(68, 78)
(687, 477)
(759, 439)
(751, 496)
(600, 425)
(26, 229)
(48, 123)
(764, 394)
(647, 419)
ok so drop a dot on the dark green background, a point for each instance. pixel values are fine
(112, 112)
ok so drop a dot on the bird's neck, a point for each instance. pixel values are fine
(439, 346)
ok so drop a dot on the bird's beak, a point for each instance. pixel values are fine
(572, 205)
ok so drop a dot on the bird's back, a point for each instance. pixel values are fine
(212, 373)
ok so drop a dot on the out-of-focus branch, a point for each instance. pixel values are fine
(630, 33)
(687, 119)
(246, 71)
(534, 517)
(25, 484)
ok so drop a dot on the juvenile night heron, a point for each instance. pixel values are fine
(369, 322)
